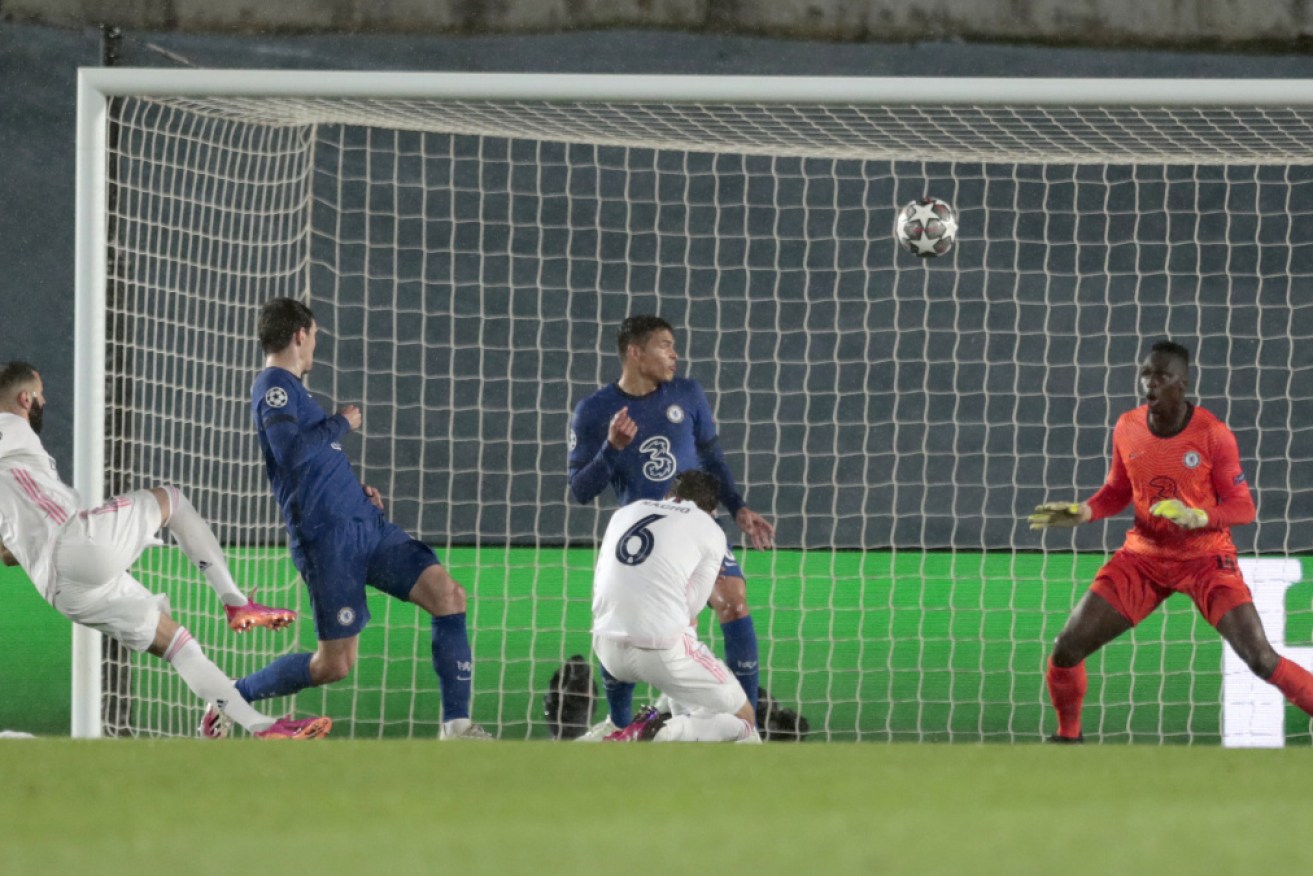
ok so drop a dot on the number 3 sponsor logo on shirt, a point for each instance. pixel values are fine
(660, 465)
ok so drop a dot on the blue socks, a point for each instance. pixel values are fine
(454, 664)
(619, 699)
(741, 655)
(286, 675)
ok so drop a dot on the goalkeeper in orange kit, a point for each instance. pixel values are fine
(1179, 466)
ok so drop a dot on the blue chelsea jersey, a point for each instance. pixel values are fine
(310, 474)
(676, 431)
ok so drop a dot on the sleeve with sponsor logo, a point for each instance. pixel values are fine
(1234, 504)
(291, 439)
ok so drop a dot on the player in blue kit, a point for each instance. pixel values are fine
(636, 434)
(339, 538)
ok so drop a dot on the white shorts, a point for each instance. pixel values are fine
(101, 544)
(91, 558)
(121, 608)
(688, 673)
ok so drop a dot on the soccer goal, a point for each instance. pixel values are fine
(469, 243)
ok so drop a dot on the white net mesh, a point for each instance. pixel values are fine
(469, 261)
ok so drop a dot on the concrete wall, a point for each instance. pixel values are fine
(1278, 24)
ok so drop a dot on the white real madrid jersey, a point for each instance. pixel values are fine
(655, 570)
(34, 504)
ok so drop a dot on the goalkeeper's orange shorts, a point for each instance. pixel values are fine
(1135, 584)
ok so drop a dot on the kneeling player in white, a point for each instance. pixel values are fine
(655, 570)
(78, 560)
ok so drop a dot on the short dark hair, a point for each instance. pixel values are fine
(280, 318)
(636, 329)
(1171, 348)
(699, 487)
(14, 374)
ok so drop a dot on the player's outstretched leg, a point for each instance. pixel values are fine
(1067, 688)
(283, 677)
(1243, 630)
(197, 541)
(207, 681)
(1093, 623)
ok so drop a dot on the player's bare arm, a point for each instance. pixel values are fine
(375, 497)
(6, 557)
(622, 429)
(758, 529)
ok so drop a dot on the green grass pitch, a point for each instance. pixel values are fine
(343, 806)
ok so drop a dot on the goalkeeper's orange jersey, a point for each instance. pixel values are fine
(1200, 466)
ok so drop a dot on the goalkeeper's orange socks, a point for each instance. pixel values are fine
(1295, 682)
(1067, 691)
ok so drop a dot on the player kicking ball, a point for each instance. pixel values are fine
(656, 567)
(1179, 467)
(338, 536)
(78, 559)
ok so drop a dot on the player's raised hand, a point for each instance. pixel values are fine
(758, 529)
(1180, 513)
(1059, 515)
(374, 496)
(353, 416)
(623, 429)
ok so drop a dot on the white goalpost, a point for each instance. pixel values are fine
(469, 243)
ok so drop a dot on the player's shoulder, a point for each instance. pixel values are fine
(1206, 421)
(14, 433)
(275, 387)
(685, 386)
(1206, 418)
(603, 400)
(1134, 417)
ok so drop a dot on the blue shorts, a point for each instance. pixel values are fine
(338, 564)
(729, 567)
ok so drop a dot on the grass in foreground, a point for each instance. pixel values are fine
(344, 806)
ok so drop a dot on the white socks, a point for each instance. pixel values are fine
(209, 683)
(201, 547)
(722, 727)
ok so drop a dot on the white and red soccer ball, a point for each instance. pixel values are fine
(926, 227)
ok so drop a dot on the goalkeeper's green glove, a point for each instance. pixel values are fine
(1056, 514)
(1180, 513)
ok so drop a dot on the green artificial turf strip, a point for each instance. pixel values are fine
(344, 806)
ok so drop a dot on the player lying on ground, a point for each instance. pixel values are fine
(1179, 467)
(78, 560)
(338, 536)
(655, 569)
(636, 434)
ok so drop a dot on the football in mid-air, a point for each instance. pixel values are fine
(926, 227)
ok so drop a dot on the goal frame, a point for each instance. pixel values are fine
(96, 86)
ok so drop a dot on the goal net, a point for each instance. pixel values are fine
(469, 245)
